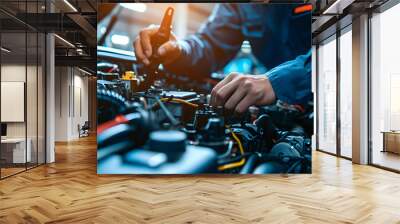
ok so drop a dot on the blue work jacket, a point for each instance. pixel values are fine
(279, 37)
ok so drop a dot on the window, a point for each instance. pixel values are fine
(385, 88)
(327, 95)
(346, 92)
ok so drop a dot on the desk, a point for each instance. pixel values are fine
(13, 150)
(391, 141)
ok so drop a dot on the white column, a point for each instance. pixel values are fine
(360, 90)
(50, 98)
(314, 90)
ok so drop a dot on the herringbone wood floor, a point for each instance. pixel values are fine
(69, 191)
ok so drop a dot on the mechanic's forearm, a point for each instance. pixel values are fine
(195, 59)
(291, 80)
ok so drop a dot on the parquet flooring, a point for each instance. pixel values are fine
(69, 191)
(10, 171)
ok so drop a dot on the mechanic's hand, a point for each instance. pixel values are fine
(167, 52)
(238, 92)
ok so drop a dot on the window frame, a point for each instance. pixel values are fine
(336, 35)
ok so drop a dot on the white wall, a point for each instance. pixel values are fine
(9, 73)
(80, 100)
(33, 127)
(16, 73)
(71, 94)
(61, 103)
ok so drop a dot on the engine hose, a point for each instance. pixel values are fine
(110, 104)
(110, 150)
(250, 164)
(294, 165)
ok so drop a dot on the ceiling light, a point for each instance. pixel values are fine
(120, 39)
(70, 5)
(65, 41)
(5, 50)
(138, 7)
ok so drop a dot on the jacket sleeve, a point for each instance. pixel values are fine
(216, 43)
(291, 80)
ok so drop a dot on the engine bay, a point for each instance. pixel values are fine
(152, 121)
(162, 123)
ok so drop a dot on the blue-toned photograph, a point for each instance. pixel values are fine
(197, 88)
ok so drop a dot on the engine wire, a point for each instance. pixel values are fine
(235, 164)
(169, 115)
(177, 100)
(223, 167)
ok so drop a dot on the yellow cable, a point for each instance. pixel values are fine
(238, 141)
(235, 164)
(176, 100)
